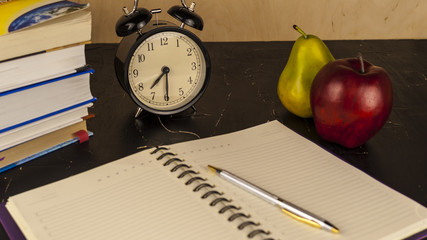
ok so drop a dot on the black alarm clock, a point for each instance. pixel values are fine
(163, 67)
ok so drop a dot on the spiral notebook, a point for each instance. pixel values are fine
(168, 193)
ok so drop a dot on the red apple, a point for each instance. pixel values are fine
(350, 101)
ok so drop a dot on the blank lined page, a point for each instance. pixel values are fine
(290, 166)
(129, 199)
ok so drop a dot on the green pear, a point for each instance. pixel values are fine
(308, 55)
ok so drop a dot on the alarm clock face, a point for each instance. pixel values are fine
(168, 71)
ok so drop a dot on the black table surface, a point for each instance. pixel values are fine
(242, 93)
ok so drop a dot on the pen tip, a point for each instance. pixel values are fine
(214, 169)
(335, 230)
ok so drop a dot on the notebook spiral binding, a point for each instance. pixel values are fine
(170, 158)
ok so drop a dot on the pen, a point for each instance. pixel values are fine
(287, 207)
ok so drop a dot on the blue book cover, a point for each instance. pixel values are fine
(19, 14)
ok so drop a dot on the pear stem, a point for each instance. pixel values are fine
(361, 63)
(300, 31)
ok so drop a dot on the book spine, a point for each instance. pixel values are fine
(213, 196)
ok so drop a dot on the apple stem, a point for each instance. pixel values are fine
(361, 63)
(300, 31)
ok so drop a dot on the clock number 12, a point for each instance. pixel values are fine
(163, 41)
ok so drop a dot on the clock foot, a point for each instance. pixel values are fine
(138, 112)
(194, 108)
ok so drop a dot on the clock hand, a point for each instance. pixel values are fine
(167, 88)
(157, 80)
(164, 71)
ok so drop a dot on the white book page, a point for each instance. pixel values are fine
(40, 67)
(36, 129)
(277, 159)
(37, 101)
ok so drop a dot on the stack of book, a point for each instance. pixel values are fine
(44, 79)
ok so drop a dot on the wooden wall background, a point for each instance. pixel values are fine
(272, 20)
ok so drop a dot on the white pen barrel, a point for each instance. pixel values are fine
(257, 191)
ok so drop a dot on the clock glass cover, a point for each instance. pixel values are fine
(167, 71)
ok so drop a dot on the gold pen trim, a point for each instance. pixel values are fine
(309, 222)
(212, 168)
(301, 219)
